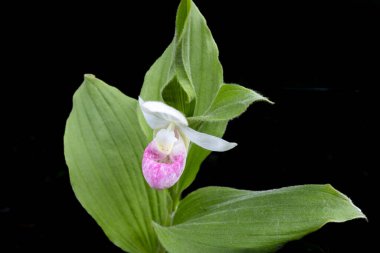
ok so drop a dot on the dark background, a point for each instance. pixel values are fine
(318, 61)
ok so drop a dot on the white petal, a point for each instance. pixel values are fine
(165, 140)
(207, 141)
(159, 115)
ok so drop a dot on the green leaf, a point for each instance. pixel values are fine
(104, 144)
(183, 10)
(191, 58)
(218, 219)
(159, 74)
(175, 96)
(231, 101)
(200, 59)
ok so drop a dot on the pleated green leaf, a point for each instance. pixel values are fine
(218, 219)
(104, 144)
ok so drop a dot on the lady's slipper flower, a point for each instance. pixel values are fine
(165, 157)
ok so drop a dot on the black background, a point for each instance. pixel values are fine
(318, 61)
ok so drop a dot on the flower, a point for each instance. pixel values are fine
(164, 158)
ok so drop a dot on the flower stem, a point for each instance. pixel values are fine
(175, 197)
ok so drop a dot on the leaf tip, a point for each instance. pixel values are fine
(257, 97)
(89, 76)
(357, 212)
(92, 80)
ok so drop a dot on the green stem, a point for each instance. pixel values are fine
(175, 196)
(172, 207)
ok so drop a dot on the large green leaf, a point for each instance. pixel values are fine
(103, 149)
(231, 101)
(217, 219)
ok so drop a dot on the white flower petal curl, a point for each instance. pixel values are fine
(159, 115)
(207, 141)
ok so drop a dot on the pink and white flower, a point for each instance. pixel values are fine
(164, 158)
